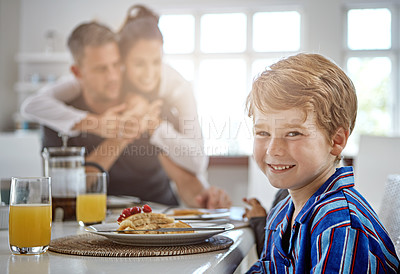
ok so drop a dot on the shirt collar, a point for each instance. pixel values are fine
(341, 179)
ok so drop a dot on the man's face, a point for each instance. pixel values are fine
(99, 72)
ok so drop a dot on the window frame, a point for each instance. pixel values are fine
(392, 53)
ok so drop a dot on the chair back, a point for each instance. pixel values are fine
(389, 212)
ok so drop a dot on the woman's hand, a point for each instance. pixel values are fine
(106, 125)
(126, 121)
(136, 105)
(147, 114)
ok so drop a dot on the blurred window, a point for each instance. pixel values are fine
(223, 32)
(369, 29)
(276, 31)
(181, 41)
(221, 53)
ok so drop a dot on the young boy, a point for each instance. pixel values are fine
(304, 108)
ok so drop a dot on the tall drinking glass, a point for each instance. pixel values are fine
(91, 199)
(30, 215)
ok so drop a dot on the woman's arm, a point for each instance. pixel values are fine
(48, 106)
(186, 145)
(186, 151)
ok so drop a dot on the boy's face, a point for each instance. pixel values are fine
(293, 153)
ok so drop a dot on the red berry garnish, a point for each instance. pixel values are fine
(121, 218)
(135, 210)
(146, 208)
(126, 212)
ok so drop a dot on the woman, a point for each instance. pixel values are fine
(141, 44)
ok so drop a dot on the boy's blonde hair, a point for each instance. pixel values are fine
(310, 82)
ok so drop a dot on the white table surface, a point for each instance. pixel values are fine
(222, 261)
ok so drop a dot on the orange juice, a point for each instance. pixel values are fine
(30, 225)
(91, 208)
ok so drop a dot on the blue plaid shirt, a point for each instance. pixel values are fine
(336, 231)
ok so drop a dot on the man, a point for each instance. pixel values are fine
(135, 166)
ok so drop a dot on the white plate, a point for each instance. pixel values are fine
(157, 239)
(209, 214)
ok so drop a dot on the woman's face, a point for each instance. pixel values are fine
(143, 65)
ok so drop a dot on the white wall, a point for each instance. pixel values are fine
(20, 155)
(9, 44)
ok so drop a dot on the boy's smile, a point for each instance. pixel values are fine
(278, 168)
(291, 150)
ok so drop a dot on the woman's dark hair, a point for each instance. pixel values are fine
(141, 23)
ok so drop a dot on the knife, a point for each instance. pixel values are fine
(171, 229)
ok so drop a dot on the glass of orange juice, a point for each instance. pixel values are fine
(91, 199)
(30, 215)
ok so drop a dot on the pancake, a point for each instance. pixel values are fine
(151, 221)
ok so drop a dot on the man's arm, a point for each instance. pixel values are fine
(119, 131)
(107, 152)
(111, 148)
(191, 190)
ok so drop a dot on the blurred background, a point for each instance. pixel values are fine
(220, 46)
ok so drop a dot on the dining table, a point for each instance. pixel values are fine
(235, 258)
